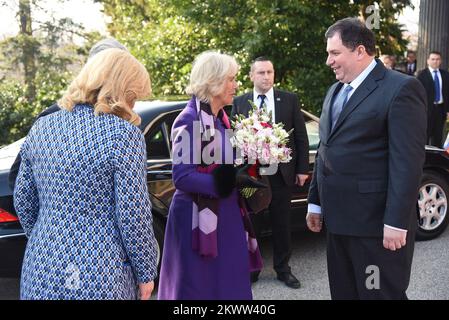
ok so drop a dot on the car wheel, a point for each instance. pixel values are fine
(433, 206)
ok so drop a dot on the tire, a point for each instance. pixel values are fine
(433, 206)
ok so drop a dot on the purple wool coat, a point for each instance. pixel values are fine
(185, 274)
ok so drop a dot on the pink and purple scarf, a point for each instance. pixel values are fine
(205, 209)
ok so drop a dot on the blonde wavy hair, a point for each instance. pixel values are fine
(111, 81)
(209, 72)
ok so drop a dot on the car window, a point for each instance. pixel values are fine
(169, 119)
(159, 143)
(158, 137)
(156, 145)
(312, 132)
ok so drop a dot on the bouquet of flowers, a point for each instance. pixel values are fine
(259, 142)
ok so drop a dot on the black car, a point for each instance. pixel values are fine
(157, 120)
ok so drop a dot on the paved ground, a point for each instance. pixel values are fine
(430, 274)
(9, 289)
(429, 280)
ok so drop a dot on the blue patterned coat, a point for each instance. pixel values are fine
(82, 199)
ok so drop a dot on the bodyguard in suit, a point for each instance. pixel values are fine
(285, 108)
(436, 83)
(367, 169)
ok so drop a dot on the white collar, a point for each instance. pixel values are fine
(269, 94)
(432, 70)
(362, 76)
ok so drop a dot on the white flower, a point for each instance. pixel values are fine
(259, 140)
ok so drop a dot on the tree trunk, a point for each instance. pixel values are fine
(433, 34)
(28, 49)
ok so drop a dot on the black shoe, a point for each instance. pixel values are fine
(254, 276)
(289, 279)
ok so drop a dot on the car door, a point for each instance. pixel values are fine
(159, 162)
(299, 194)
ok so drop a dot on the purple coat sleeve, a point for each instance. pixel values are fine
(186, 157)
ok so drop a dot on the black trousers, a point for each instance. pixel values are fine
(280, 222)
(435, 125)
(361, 268)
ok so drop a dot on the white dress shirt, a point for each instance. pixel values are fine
(410, 67)
(313, 208)
(269, 101)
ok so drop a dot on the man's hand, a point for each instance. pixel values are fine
(301, 179)
(394, 239)
(145, 290)
(314, 221)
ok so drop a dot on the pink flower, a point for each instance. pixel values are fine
(259, 140)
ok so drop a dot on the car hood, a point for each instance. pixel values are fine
(9, 153)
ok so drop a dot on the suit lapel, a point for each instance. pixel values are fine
(277, 106)
(363, 91)
(325, 119)
(444, 80)
(248, 96)
(429, 77)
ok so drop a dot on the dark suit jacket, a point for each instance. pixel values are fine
(287, 111)
(16, 165)
(427, 81)
(368, 169)
(404, 68)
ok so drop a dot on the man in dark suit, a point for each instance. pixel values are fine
(99, 46)
(410, 64)
(367, 169)
(436, 83)
(284, 107)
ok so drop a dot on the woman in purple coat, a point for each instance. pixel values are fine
(209, 248)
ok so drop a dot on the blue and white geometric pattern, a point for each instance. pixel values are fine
(82, 199)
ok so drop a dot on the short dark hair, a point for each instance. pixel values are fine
(353, 33)
(107, 43)
(435, 52)
(260, 58)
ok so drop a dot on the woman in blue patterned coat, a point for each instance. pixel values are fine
(81, 193)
